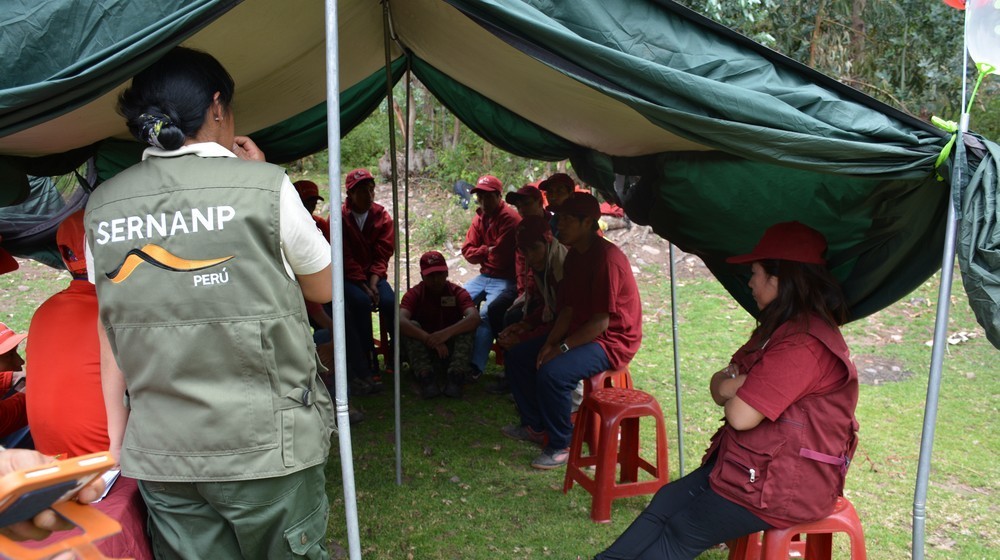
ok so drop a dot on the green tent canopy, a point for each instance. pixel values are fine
(694, 129)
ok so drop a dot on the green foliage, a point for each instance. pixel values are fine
(439, 228)
(906, 53)
(474, 157)
(369, 141)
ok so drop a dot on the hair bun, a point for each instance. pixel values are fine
(151, 125)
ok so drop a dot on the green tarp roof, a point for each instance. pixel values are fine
(698, 131)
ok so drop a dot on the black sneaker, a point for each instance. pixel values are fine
(523, 433)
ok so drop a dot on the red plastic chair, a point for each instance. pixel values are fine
(779, 544)
(618, 411)
(591, 424)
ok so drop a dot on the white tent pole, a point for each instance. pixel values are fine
(677, 364)
(395, 225)
(941, 321)
(337, 253)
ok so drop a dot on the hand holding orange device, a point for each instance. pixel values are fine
(27, 492)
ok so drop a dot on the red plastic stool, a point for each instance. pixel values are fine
(778, 544)
(617, 410)
(382, 347)
(497, 353)
(606, 379)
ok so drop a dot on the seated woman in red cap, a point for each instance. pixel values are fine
(789, 396)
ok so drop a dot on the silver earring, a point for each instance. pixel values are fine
(216, 119)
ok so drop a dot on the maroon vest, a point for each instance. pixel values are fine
(792, 470)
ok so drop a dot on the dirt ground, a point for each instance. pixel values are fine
(648, 252)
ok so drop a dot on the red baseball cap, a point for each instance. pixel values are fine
(358, 176)
(527, 191)
(431, 262)
(557, 179)
(580, 204)
(7, 262)
(531, 230)
(9, 339)
(71, 241)
(307, 190)
(488, 184)
(787, 241)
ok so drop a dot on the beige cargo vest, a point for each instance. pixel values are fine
(208, 328)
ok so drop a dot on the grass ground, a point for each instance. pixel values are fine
(469, 493)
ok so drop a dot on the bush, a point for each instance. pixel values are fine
(364, 145)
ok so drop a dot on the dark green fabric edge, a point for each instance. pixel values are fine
(25, 106)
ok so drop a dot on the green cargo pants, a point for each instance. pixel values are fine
(267, 518)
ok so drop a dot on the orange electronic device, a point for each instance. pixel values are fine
(27, 492)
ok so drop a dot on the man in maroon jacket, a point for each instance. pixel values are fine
(490, 244)
(368, 244)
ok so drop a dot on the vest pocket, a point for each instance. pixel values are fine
(213, 396)
(742, 472)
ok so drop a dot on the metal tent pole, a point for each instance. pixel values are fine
(940, 344)
(395, 224)
(677, 364)
(336, 251)
(941, 320)
(934, 381)
(406, 186)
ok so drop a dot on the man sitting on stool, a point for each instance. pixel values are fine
(598, 327)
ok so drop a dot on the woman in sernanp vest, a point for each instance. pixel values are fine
(789, 396)
(201, 255)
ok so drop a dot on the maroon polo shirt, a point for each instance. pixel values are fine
(436, 312)
(600, 280)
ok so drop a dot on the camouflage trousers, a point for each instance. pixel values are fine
(424, 359)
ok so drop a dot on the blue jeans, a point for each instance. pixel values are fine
(544, 396)
(485, 288)
(684, 518)
(358, 316)
(358, 333)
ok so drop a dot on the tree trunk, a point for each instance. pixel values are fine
(396, 110)
(412, 122)
(817, 32)
(858, 32)
(455, 134)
